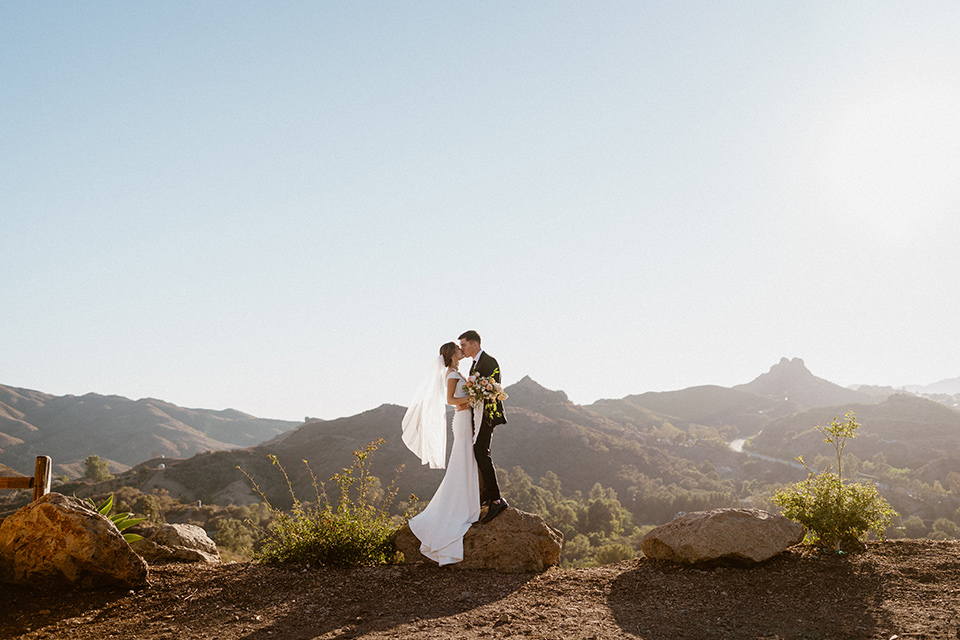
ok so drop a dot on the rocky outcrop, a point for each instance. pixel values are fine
(737, 535)
(175, 543)
(513, 542)
(791, 380)
(58, 542)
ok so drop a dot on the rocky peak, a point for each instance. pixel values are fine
(529, 394)
(790, 370)
(791, 380)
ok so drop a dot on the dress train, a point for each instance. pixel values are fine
(456, 504)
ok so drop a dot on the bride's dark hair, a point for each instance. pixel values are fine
(447, 350)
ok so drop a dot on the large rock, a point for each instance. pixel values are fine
(513, 542)
(738, 535)
(175, 543)
(58, 542)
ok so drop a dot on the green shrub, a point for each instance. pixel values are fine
(236, 535)
(835, 512)
(358, 530)
(611, 553)
(96, 469)
(944, 529)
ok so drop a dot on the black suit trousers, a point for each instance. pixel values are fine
(489, 489)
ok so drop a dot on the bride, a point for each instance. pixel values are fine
(456, 504)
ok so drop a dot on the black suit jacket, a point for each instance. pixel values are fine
(487, 366)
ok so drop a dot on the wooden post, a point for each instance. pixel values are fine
(40, 482)
(42, 477)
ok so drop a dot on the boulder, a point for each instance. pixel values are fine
(175, 543)
(513, 542)
(58, 542)
(737, 535)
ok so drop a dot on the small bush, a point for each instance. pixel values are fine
(358, 530)
(835, 512)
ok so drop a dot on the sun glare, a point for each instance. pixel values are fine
(886, 154)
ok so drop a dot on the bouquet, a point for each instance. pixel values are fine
(485, 392)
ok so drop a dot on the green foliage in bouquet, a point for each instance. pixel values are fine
(121, 520)
(835, 512)
(357, 530)
(487, 392)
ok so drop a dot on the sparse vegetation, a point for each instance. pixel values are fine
(835, 512)
(357, 530)
(656, 464)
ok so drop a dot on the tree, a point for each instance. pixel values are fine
(610, 553)
(520, 491)
(913, 527)
(96, 469)
(603, 517)
(944, 529)
(235, 535)
(576, 550)
(152, 509)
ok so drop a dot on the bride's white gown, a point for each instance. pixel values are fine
(456, 504)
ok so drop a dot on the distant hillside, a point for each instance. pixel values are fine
(661, 452)
(949, 387)
(791, 381)
(545, 432)
(910, 431)
(7, 471)
(707, 405)
(122, 431)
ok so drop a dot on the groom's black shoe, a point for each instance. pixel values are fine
(495, 509)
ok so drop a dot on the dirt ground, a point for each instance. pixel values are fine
(897, 589)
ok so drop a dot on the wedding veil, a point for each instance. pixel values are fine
(425, 423)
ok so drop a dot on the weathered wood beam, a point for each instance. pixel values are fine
(16, 483)
(42, 477)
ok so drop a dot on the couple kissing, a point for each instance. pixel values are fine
(470, 479)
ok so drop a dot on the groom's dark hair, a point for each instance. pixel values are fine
(470, 336)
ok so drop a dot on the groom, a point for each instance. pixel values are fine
(485, 365)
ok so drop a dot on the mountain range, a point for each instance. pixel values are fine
(121, 431)
(661, 452)
(950, 387)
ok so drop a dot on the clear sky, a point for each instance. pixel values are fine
(286, 207)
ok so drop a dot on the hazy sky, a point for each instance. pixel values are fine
(286, 207)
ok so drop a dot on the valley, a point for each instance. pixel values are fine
(603, 473)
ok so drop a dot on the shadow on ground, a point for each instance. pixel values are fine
(379, 599)
(21, 609)
(786, 597)
(258, 602)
